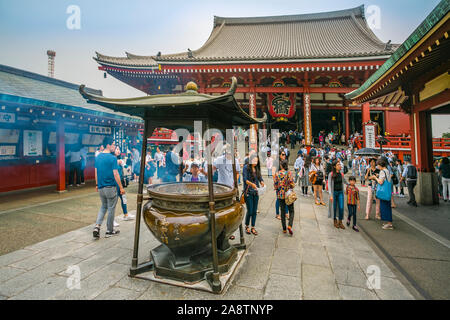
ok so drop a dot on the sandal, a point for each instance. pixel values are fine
(247, 230)
(278, 217)
(367, 218)
(317, 203)
(254, 231)
(323, 204)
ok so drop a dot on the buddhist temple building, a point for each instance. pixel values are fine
(291, 67)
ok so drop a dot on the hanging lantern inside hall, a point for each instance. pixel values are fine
(282, 105)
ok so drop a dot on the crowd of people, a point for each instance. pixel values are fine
(322, 166)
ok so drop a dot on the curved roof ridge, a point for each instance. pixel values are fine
(365, 29)
(210, 39)
(135, 56)
(357, 11)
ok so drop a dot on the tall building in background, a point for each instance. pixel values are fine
(51, 63)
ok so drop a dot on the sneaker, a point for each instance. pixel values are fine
(348, 222)
(128, 217)
(96, 233)
(388, 227)
(78, 185)
(111, 233)
(290, 231)
(70, 185)
(83, 183)
(355, 228)
(116, 224)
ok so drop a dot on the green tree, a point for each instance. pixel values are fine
(446, 135)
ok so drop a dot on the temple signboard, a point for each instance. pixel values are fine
(369, 135)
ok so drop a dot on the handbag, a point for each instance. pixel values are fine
(384, 191)
(242, 199)
(290, 197)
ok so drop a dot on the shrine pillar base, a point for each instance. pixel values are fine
(426, 191)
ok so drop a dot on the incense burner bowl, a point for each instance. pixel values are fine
(178, 216)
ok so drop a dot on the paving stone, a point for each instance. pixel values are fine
(254, 272)
(355, 293)
(134, 284)
(118, 294)
(18, 284)
(318, 283)
(98, 261)
(375, 261)
(392, 289)
(351, 276)
(159, 291)
(96, 283)
(286, 262)
(63, 249)
(280, 287)
(7, 273)
(15, 256)
(289, 242)
(315, 255)
(262, 248)
(44, 290)
(237, 292)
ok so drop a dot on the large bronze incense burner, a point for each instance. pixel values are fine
(193, 221)
(177, 215)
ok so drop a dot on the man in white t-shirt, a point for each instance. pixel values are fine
(224, 167)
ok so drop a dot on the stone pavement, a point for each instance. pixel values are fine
(318, 262)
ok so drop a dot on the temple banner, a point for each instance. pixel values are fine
(307, 119)
(253, 127)
(281, 105)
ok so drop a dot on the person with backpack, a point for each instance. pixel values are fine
(384, 192)
(410, 176)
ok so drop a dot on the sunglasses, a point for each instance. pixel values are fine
(283, 154)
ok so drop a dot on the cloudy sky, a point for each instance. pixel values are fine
(29, 28)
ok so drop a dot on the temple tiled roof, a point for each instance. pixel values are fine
(337, 34)
(34, 88)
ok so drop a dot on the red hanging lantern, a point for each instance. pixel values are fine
(281, 105)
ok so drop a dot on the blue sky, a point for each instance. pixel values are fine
(29, 28)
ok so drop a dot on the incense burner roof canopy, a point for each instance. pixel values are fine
(187, 106)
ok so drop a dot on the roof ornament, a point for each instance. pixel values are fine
(158, 55)
(190, 55)
(388, 46)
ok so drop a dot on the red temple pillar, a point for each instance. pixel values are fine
(413, 140)
(387, 127)
(60, 157)
(365, 112)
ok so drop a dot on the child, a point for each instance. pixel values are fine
(352, 193)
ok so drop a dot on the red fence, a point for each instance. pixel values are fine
(401, 146)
